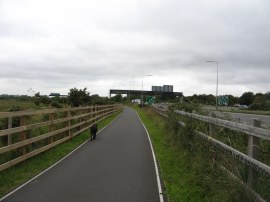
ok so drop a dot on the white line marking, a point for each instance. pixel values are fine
(155, 162)
(24, 184)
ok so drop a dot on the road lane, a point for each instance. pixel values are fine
(118, 166)
(247, 118)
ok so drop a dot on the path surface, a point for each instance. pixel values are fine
(117, 167)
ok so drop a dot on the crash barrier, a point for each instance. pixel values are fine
(29, 133)
(253, 174)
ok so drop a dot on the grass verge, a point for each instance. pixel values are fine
(18, 174)
(188, 173)
(172, 162)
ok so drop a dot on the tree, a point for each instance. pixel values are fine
(97, 100)
(79, 97)
(266, 97)
(117, 98)
(211, 100)
(45, 100)
(247, 98)
(233, 100)
(258, 98)
(261, 102)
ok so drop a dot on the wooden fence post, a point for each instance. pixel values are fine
(52, 127)
(212, 127)
(253, 151)
(253, 142)
(91, 114)
(80, 111)
(23, 133)
(9, 126)
(213, 133)
(69, 124)
(96, 113)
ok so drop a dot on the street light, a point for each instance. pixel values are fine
(130, 86)
(142, 86)
(217, 82)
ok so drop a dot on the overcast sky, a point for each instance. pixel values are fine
(55, 45)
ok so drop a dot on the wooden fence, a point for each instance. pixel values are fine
(254, 132)
(28, 133)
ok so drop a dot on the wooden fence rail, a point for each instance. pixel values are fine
(246, 129)
(40, 130)
(251, 131)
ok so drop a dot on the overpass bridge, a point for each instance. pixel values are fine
(144, 92)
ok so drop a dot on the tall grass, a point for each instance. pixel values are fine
(7, 104)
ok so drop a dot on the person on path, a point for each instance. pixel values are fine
(93, 131)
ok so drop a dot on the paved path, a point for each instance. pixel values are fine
(117, 167)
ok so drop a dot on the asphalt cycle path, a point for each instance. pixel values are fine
(116, 167)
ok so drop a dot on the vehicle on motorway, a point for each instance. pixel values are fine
(241, 106)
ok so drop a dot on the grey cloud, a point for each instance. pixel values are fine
(86, 43)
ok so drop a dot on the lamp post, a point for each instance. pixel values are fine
(142, 87)
(217, 82)
(131, 83)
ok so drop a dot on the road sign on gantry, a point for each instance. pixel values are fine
(150, 100)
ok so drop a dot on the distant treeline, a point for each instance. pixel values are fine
(258, 101)
(75, 98)
(81, 97)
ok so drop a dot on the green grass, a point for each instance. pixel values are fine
(18, 174)
(188, 175)
(7, 104)
(177, 179)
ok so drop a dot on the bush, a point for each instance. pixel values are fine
(261, 106)
(56, 104)
(187, 107)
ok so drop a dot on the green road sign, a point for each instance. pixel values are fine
(150, 100)
(223, 100)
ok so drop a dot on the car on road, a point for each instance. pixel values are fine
(243, 107)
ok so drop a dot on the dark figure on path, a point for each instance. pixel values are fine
(93, 131)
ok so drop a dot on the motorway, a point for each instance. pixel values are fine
(117, 166)
(238, 117)
(247, 118)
